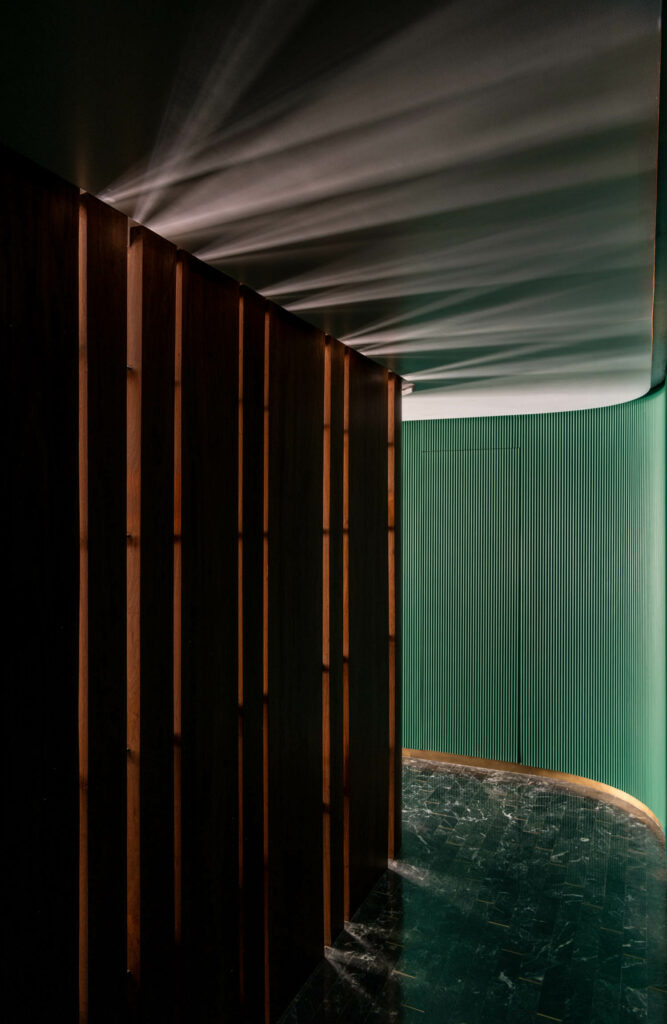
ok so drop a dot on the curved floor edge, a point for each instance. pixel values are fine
(599, 789)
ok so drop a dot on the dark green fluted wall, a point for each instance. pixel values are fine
(534, 592)
(468, 579)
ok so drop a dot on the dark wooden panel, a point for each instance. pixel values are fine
(104, 241)
(38, 317)
(295, 654)
(336, 633)
(209, 642)
(398, 764)
(253, 475)
(154, 260)
(369, 613)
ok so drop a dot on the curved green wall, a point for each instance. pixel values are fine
(534, 592)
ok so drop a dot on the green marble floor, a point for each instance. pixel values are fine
(516, 899)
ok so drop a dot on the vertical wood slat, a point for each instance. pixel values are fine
(239, 655)
(38, 321)
(103, 279)
(393, 553)
(209, 640)
(296, 391)
(368, 618)
(133, 611)
(391, 573)
(346, 636)
(152, 263)
(266, 456)
(83, 622)
(398, 759)
(177, 620)
(326, 644)
(336, 637)
(252, 895)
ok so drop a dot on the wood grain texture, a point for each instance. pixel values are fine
(105, 282)
(295, 655)
(156, 265)
(209, 641)
(253, 862)
(336, 636)
(38, 320)
(369, 614)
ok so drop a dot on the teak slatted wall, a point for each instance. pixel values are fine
(335, 874)
(295, 899)
(251, 711)
(152, 264)
(369, 618)
(209, 639)
(103, 340)
(39, 228)
(200, 751)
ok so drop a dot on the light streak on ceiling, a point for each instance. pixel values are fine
(464, 191)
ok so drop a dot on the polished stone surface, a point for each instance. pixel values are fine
(515, 899)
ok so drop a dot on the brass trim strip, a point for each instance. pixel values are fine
(609, 793)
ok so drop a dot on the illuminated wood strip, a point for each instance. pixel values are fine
(83, 618)
(265, 666)
(178, 550)
(239, 601)
(391, 554)
(346, 637)
(134, 333)
(326, 645)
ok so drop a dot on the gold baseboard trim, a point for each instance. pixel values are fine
(600, 789)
